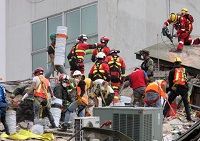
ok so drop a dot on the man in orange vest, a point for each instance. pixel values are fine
(178, 86)
(117, 71)
(153, 93)
(100, 70)
(40, 86)
(80, 103)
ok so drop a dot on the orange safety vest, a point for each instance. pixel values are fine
(84, 97)
(41, 89)
(179, 76)
(156, 87)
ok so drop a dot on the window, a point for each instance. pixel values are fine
(82, 20)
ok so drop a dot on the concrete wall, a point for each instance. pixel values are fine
(131, 25)
(2, 40)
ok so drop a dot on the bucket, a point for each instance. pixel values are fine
(56, 101)
(174, 108)
(56, 113)
(37, 129)
(11, 121)
(41, 122)
(125, 99)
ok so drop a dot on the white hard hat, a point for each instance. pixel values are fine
(100, 55)
(77, 72)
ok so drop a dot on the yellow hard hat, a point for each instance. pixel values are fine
(173, 17)
(177, 59)
(88, 82)
(184, 10)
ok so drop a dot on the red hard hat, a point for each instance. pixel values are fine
(39, 69)
(104, 39)
(63, 76)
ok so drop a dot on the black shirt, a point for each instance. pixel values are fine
(51, 50)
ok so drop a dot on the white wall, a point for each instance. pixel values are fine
(2, 40)
(131, 25)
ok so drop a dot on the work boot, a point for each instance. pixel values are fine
(63, 129)
(53, 126)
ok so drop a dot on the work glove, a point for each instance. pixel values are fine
(79, 100)
(25, 96)
(12, 96)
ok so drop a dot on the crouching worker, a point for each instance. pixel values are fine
(40, 86)
(61, 92)
(80, 103)
(3, 108)
(153, 93)
(100, 88)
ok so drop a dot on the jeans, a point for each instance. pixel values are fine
(51, 70)
(138, 96)
(71, 108)
(46, 110)
(153, 96)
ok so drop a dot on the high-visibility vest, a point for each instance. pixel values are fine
(78, 53)
(84, 97)
(41, 89)
(179, 76)
(156, 87)
(98, 71)
(114, 63)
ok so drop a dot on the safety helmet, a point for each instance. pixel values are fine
(77, 72)
(114, 51)
(173, 17)
(100, 55)
(104, 39)
(63, 77)
(177, 59)
(39, 69)
(184, 11)
(53, 36)
(88, 82)
(82, 37)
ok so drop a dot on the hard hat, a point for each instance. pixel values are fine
(63, 77)
(82, 37)
(88, 82)
(39, 69)
(177, 59)
(114, 51)
(100, 55)
(53, 36)
(173, 17)
(77, 72)
(184, 10)
(104, 39)
(144, 52)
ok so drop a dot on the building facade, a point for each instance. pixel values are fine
(131, 25)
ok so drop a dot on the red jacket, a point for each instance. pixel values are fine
(137, 79)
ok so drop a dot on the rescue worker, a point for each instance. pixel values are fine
(51, 52)
(117, 71)
(178, 86)
(3, 108)
(153, 93)
(184, 29)
(147, 65)
(40, 86)
(61, 91)
(100, 88)
(103, 48)
(77, 53)
(24, 108)
(100, 70)
(138, 80)
(80, 103)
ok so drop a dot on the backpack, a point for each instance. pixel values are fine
(189, 17)
(3, 101)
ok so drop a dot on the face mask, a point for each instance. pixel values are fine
(76, 81)
(142, 57)
(84, 42)
(64, 85)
